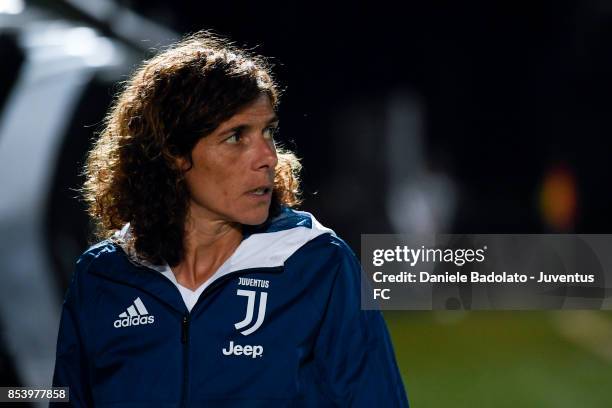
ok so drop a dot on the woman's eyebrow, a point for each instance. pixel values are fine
(274, 120)
(237, 128)
(241, 127)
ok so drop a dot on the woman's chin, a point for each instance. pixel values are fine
(255, 218)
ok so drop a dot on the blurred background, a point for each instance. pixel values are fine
(466, 117)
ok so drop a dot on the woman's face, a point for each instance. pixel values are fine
(233, 168)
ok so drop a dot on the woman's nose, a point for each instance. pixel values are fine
(266, 156)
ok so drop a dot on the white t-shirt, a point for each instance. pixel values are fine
(190, 297)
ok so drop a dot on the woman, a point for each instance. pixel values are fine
(209, 290)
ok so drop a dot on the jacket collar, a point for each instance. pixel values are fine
(265, 246)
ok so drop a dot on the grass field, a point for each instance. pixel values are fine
(504, 359)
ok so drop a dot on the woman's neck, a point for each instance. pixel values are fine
(208, 243)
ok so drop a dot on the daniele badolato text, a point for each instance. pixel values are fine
(478, 277)
(422, 258)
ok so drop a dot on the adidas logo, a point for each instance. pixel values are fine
(137, 314)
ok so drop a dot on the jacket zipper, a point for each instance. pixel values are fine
(185, 341)
(185, 329)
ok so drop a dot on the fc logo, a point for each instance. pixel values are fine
(251, 295)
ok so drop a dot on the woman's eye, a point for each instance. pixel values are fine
(269, 132)
(234, 138)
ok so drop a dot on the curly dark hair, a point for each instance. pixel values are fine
(173, 100)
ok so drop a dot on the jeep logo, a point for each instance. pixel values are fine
(238, 350)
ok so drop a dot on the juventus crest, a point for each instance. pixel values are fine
(261, 311)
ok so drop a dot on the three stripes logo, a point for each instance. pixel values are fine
(261, 313)
(137, 314)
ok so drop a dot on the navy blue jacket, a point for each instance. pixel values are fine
(279, 325)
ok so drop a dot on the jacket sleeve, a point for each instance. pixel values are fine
(353, 351)
(71, 368)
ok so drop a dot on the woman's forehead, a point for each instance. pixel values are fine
(260, 111)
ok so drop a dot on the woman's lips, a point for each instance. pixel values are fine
(260, 192)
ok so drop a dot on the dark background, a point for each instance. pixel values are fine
(509, 90)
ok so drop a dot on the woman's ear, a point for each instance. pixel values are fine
(183, 163)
